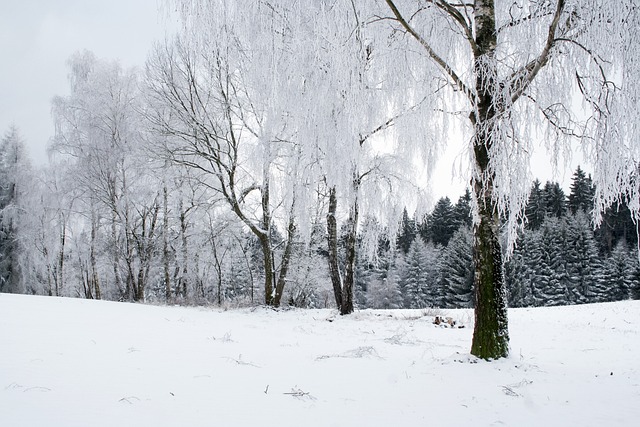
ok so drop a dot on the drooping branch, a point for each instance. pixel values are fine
(460, 19)
(522, 79)
(432, 54)
(389, 122)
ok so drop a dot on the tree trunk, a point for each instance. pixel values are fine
(94, 280)
(286, 259)
(183, 284)
(269, 269)
(116, 252)
(61, 257)
(332, 245)
(490, 334)
(349, 272)
(165, 243)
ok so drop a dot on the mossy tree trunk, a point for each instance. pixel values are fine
(490, 334)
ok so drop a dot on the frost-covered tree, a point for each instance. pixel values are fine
(618, 275)
(582, 190)
(554, 200)
(456, 271)
(535, 210)
(514, 70)
(15, 177)
(406, 232)
(583, 262)
(419, 275)
(441, 223)
(219, 118)
(100, 143)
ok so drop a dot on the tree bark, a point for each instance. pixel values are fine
(165, 243)
(94, 281)
(490, 334)
(349, 272)
(332, 245)
(286, 260)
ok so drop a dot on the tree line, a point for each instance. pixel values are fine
(559, 258)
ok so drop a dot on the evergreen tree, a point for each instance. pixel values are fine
(413, 285)
(581, 260)
(554, 200)
(14, 167)
(535, 210)
(456, 273)
(616, 225)
(383, 289)
(419, 275)
(406, 233)
(441, 223)
(582, 192)
(551, 274)
(619, 280)
(519, 272)
(462, 210)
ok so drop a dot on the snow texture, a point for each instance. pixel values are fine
(72, 362)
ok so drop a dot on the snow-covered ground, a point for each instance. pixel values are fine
(72, 362)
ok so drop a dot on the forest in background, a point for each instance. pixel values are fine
(172, 245)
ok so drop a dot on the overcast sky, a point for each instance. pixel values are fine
(37, 37)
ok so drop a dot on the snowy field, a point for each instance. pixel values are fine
(72, 362)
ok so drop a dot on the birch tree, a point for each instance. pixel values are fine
(216, 101)
(515, 70)
(99, 132)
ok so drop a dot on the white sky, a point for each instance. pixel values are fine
(38, 36)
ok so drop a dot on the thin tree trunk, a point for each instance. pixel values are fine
(352, 230)
(185, 253)
(332, 245)
(61, 256)
(165, 243)
(286, 260)
(218, 267)
(265, 241)
(116, 252)
(94, 280)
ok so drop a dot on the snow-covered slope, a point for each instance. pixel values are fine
(71, 362)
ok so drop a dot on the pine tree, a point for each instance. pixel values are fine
(582, 262)
(618, 274)
(14, 166)
(419, 275)
(441, 223)
(551, 284)
(582, 192)
(555, 203)
(413, 285)
(406, 233)
(616, 225)
(462, 210)
(457, 271)
(519, 273)
(535, 210)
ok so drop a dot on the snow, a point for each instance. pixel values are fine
(72, 362)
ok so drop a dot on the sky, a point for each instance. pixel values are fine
(38, 36)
